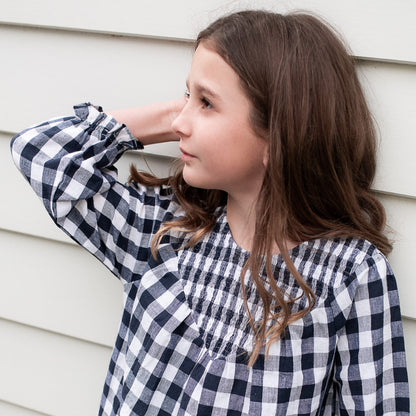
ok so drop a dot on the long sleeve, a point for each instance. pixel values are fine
(69, 164)
(370, 365)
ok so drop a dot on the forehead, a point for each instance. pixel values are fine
(210, 71)
(208, 64)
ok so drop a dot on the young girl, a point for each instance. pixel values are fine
(255, 281)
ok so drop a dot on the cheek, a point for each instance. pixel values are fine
(228, 146)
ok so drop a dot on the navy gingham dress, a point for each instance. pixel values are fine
(183, 339)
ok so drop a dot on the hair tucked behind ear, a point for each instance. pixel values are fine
(308, 104)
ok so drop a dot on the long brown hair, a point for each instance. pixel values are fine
(308, 104)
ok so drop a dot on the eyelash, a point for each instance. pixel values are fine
(206, 103)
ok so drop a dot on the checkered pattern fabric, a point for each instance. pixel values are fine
(183, 340)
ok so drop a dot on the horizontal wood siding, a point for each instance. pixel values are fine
(50, 373)
(51, 70)
(59, 308)
(9, 409)
(379, 29)
(58, 287)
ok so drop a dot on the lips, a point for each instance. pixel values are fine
(185, 155)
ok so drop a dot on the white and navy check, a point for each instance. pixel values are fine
(183, 340)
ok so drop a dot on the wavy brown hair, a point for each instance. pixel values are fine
(309, 106)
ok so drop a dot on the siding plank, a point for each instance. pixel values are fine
(361, 22)
(73, 295)
(391, 92)
(402, 220)
(50, 373)
(9, 409)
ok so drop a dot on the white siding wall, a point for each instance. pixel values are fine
(59, 308)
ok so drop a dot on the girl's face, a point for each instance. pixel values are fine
(219, 148)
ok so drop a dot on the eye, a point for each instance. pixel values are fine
(187, 94)
(206, 103)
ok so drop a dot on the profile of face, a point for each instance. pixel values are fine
(219, 148)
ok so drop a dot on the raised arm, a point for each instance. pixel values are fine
(152, 123)
(69, 162)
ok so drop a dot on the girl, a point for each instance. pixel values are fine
(255, 279)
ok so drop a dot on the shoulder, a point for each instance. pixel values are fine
(359, 275)
(338, 257)
(335, 268)
(362, 262)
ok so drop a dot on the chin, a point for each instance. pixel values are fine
(191, 180)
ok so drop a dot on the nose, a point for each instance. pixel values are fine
(181, 125)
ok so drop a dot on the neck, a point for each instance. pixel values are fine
(241, 216)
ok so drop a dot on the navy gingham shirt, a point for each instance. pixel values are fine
(183, 339)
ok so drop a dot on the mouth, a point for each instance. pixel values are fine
(186, 156)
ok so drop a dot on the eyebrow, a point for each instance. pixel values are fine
(203, 89)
